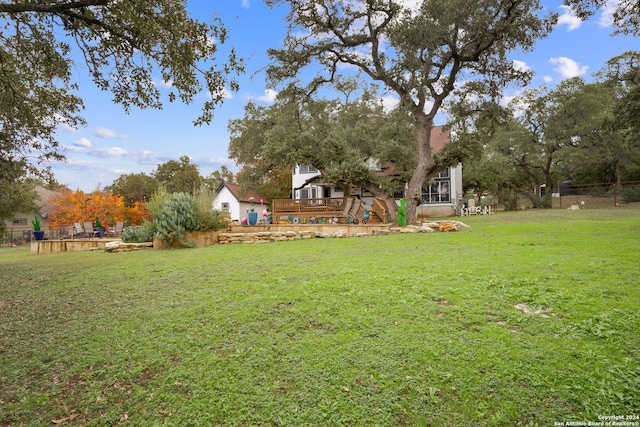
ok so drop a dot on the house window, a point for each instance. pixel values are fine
(308, 193)
(225, 206)
(439, 190)
(20, 221)
(307, 169)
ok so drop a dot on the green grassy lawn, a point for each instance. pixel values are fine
(394, 330)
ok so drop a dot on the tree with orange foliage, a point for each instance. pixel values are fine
(108, 208)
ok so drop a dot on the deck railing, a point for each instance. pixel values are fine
(379, 207)
(322, 204)
(326, 207)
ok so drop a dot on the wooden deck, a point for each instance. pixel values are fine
(321, 210)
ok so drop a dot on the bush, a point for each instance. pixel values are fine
(154, 206)
(177, 215)
(209, 219)
(630, 194)
(506, 199)
(140, 234)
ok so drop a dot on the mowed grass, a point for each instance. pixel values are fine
(417, 329)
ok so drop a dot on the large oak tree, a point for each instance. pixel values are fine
(421, 54)
(348, 140)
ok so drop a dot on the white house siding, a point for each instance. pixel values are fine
(424, 210)
(225, 196)
(299, 178)
(237, 209)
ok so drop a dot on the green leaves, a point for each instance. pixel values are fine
(125, 46)
(176, 214)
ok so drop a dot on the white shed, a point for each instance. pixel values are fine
(228, 198)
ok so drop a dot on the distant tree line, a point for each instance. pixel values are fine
(583, 132)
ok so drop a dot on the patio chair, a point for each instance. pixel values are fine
(472, 209)
(115, 231)
(339, 216)
(348, 202)
(78, 231)
(88, 229)
(355, 211)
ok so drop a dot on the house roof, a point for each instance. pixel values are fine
(242, 197)
(44, 196)
(440, 136)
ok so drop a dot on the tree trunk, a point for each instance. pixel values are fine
(549, 184)
(535, 199)
(425, 163)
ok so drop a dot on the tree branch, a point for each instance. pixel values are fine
(51, 8)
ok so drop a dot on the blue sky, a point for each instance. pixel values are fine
(114, 143)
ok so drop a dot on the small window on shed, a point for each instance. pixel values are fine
(225, 206)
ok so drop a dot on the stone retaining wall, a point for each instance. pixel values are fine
(247, 235)
(68, 245)
(282, 236)
(264, 237)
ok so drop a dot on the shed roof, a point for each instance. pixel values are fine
(241, 197)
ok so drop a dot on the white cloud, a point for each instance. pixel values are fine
(213, 161)
(390, 102)
(146, 157)
(568, 18)
(115, 152)
(245, 4)
(521, 65)
(108, 133)
(83, 142)
(547, 79)
(224, 94)
(163, 83)
(61, 123)
(67, 127)
(606, 17)
(269, 96)
(413, 5)
(568, 67)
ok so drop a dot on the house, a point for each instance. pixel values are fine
(229, 198)
(441, 197)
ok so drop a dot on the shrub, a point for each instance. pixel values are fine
(506, 199)
(140, 234)
(177, 215)
(154, 205)
(209, 219)
(630, 194)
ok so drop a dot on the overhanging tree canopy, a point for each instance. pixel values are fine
(624, 13)
(419, 54)
(125, 47)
